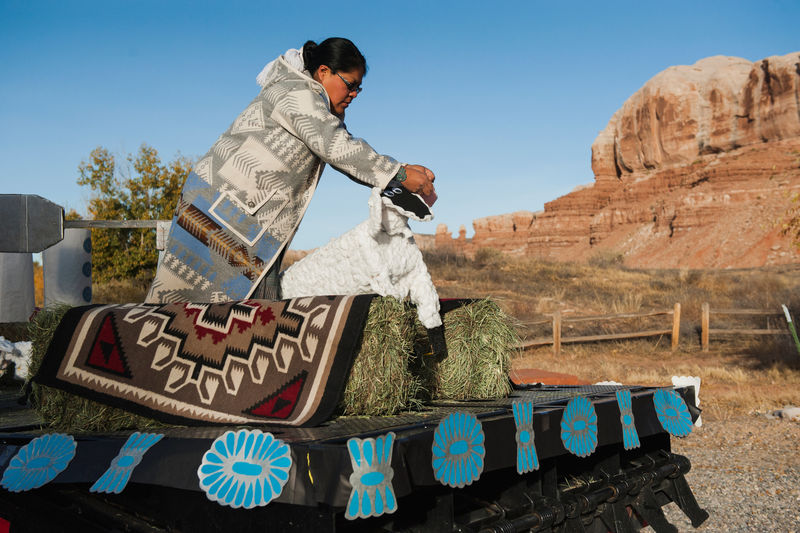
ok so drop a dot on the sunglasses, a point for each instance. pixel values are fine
(351, 85)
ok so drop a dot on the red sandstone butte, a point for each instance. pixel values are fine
(696, 169)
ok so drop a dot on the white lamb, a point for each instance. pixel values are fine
(377, 256)
(16, 355)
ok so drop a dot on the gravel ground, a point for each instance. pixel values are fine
(745, 473)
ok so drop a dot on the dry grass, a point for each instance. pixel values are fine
(739, 373)
(733, 382)
(119, 291)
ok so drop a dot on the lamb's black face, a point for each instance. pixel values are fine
(412, 205)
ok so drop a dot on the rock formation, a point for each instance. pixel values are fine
(694, 170)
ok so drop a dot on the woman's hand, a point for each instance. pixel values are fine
(419, 180)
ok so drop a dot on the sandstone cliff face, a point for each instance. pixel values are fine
(695, 170)
(717, 105)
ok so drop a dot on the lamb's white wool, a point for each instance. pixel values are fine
(18, 353)
(379, 255)
(690, 381)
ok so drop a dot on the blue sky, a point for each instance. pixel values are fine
(502, 100)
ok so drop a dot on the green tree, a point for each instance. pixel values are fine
(144, 189)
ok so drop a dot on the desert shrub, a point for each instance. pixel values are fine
(606, 258)
(630, 302)
(445, 258)
(120, 291)
(488, 257)
(293, 256)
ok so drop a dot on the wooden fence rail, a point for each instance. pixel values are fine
(557, 340)
(706, 331)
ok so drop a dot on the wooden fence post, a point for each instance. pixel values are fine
(676, 326)
(704, 321)
(557, 333)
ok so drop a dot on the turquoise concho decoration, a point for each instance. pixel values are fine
(119, 473)
(245, 469)
(527, 460)
(579, 427)
(672, 412)
(372, 493)
(458, 450)
(39, 462)
(630, 438)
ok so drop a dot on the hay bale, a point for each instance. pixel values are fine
(380, 381)
(61, 410)
(387, 376)
(480, 340)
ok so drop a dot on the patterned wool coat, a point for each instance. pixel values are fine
(243, 201)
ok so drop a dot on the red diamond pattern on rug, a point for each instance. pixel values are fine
(281, 404)
(106, 353)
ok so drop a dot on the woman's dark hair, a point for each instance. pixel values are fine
(338, 53)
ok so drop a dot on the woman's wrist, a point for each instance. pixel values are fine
(401, 174)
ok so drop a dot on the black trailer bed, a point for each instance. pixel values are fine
(164, 492)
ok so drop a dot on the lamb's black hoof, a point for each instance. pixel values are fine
(438, 343)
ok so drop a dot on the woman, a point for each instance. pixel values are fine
(243, 201)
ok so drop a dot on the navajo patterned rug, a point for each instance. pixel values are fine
(253, 361)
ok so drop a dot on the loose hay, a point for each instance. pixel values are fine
(61, 410)
(480, 340)
(380, 382)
